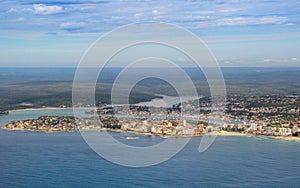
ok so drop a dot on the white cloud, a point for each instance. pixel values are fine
(27, 10)
(251, 20)
(205, 12)
(154, 11)
(21, 19)
(72, 25)
(229, 10)
(267, 60)
(294, 59)
(11, 10)
(195, 17)
(289, 60)
(228, 62)
(207, 20)
(45, 10)
(290, 24)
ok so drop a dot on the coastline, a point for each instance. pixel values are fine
(226, 133)
(219, 133)
(41, 108)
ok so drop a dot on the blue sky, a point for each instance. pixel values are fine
(239, 32)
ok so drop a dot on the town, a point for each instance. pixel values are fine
(255, 115)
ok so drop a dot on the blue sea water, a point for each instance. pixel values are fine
(35, 159)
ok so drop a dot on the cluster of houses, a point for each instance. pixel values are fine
(63, 123)
(279, 130)
(171, 127)
(45, 123)
(259, 115)
(268, 109)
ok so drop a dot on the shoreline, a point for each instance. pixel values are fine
(226, 133)
(219, 133)
(41, 108)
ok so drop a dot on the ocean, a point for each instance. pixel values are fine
(36, 159)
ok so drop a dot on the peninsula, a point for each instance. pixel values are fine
(267, 116)
(164, 128)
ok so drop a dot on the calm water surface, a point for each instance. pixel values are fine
(34, 159)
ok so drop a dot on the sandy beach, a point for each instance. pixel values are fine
(42, 108)
(226, 133)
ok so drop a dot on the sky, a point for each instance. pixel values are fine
(238, 32)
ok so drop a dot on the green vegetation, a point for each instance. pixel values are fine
(37, 87)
